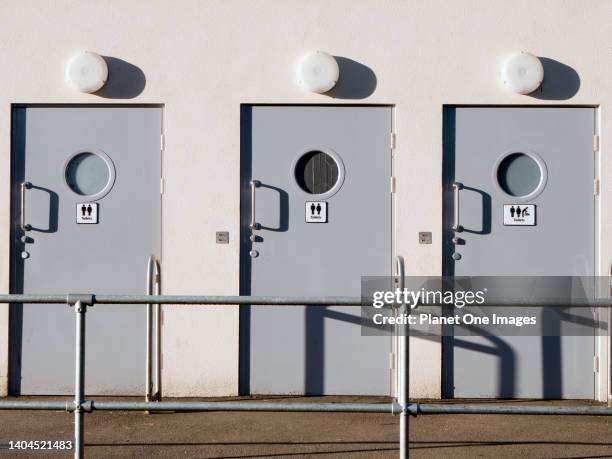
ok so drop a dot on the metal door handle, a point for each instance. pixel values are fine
(254, 225)
(24, 226)
(153, 384)
(400, 272)
(456, 188)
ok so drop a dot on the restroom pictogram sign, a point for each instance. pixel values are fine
(86, 213)
(316, 212)
(519, 214)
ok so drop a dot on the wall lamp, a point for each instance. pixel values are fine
(318, 72)
(522, 73)
(87, 72)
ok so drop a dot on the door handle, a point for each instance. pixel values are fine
(24, 226)
(456, 189)
(254, 185)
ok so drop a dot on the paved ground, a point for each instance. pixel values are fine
(346, 435)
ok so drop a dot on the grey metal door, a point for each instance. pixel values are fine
(324, 206)
(527, 208)
(95, 215)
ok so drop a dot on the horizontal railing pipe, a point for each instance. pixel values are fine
(448, 408)
(245, 406)
(394, 408)
(43, 405)
(284, 300)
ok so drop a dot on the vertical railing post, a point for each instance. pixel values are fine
(403, 367)
(404, 392)
(153, 335)
(609, 391)
(80, 308)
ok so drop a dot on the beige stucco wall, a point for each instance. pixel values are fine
(202, 59)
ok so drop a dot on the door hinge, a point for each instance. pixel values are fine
(596, 187)
(393, 185)
(162, 142)
(161, 185)
(392, 361)
(392, 141)
(595, 143)
(596, 364)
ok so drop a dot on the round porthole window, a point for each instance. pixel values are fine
(89, 174)
(318, 172)
(520, 174)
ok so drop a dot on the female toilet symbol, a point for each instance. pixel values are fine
(89, 210)
(318, 209)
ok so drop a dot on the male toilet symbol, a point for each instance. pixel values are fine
(316, 212)
(87, 213)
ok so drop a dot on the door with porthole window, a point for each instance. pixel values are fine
(316, 216)
(86, 216)
(519, 201)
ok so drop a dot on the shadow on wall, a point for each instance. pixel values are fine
(561, 82)
(357, 81)
(125, 80)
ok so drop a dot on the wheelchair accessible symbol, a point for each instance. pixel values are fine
(519, 214)
(316, 212)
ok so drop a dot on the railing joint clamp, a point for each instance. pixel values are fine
(87, 406)
(86, 299)
(410, 408)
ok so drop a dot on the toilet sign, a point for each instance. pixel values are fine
(86, 213)
(519, 214)
(316, 212)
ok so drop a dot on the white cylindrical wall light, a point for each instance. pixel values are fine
(318, 72)
(87, 72)
(522, 73)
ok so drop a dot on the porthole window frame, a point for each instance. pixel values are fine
(341, 172)
(111, 177)
(537, 159)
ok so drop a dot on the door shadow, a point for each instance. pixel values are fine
(283, 210)
(53, 207)
(485, 199)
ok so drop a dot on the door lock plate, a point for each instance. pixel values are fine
(222, 237)
(425, 237)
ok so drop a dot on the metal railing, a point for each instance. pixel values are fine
(153, 353)
(79, 406)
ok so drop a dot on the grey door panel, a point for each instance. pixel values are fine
(107, 257)
(561, 243)
(298, 350)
